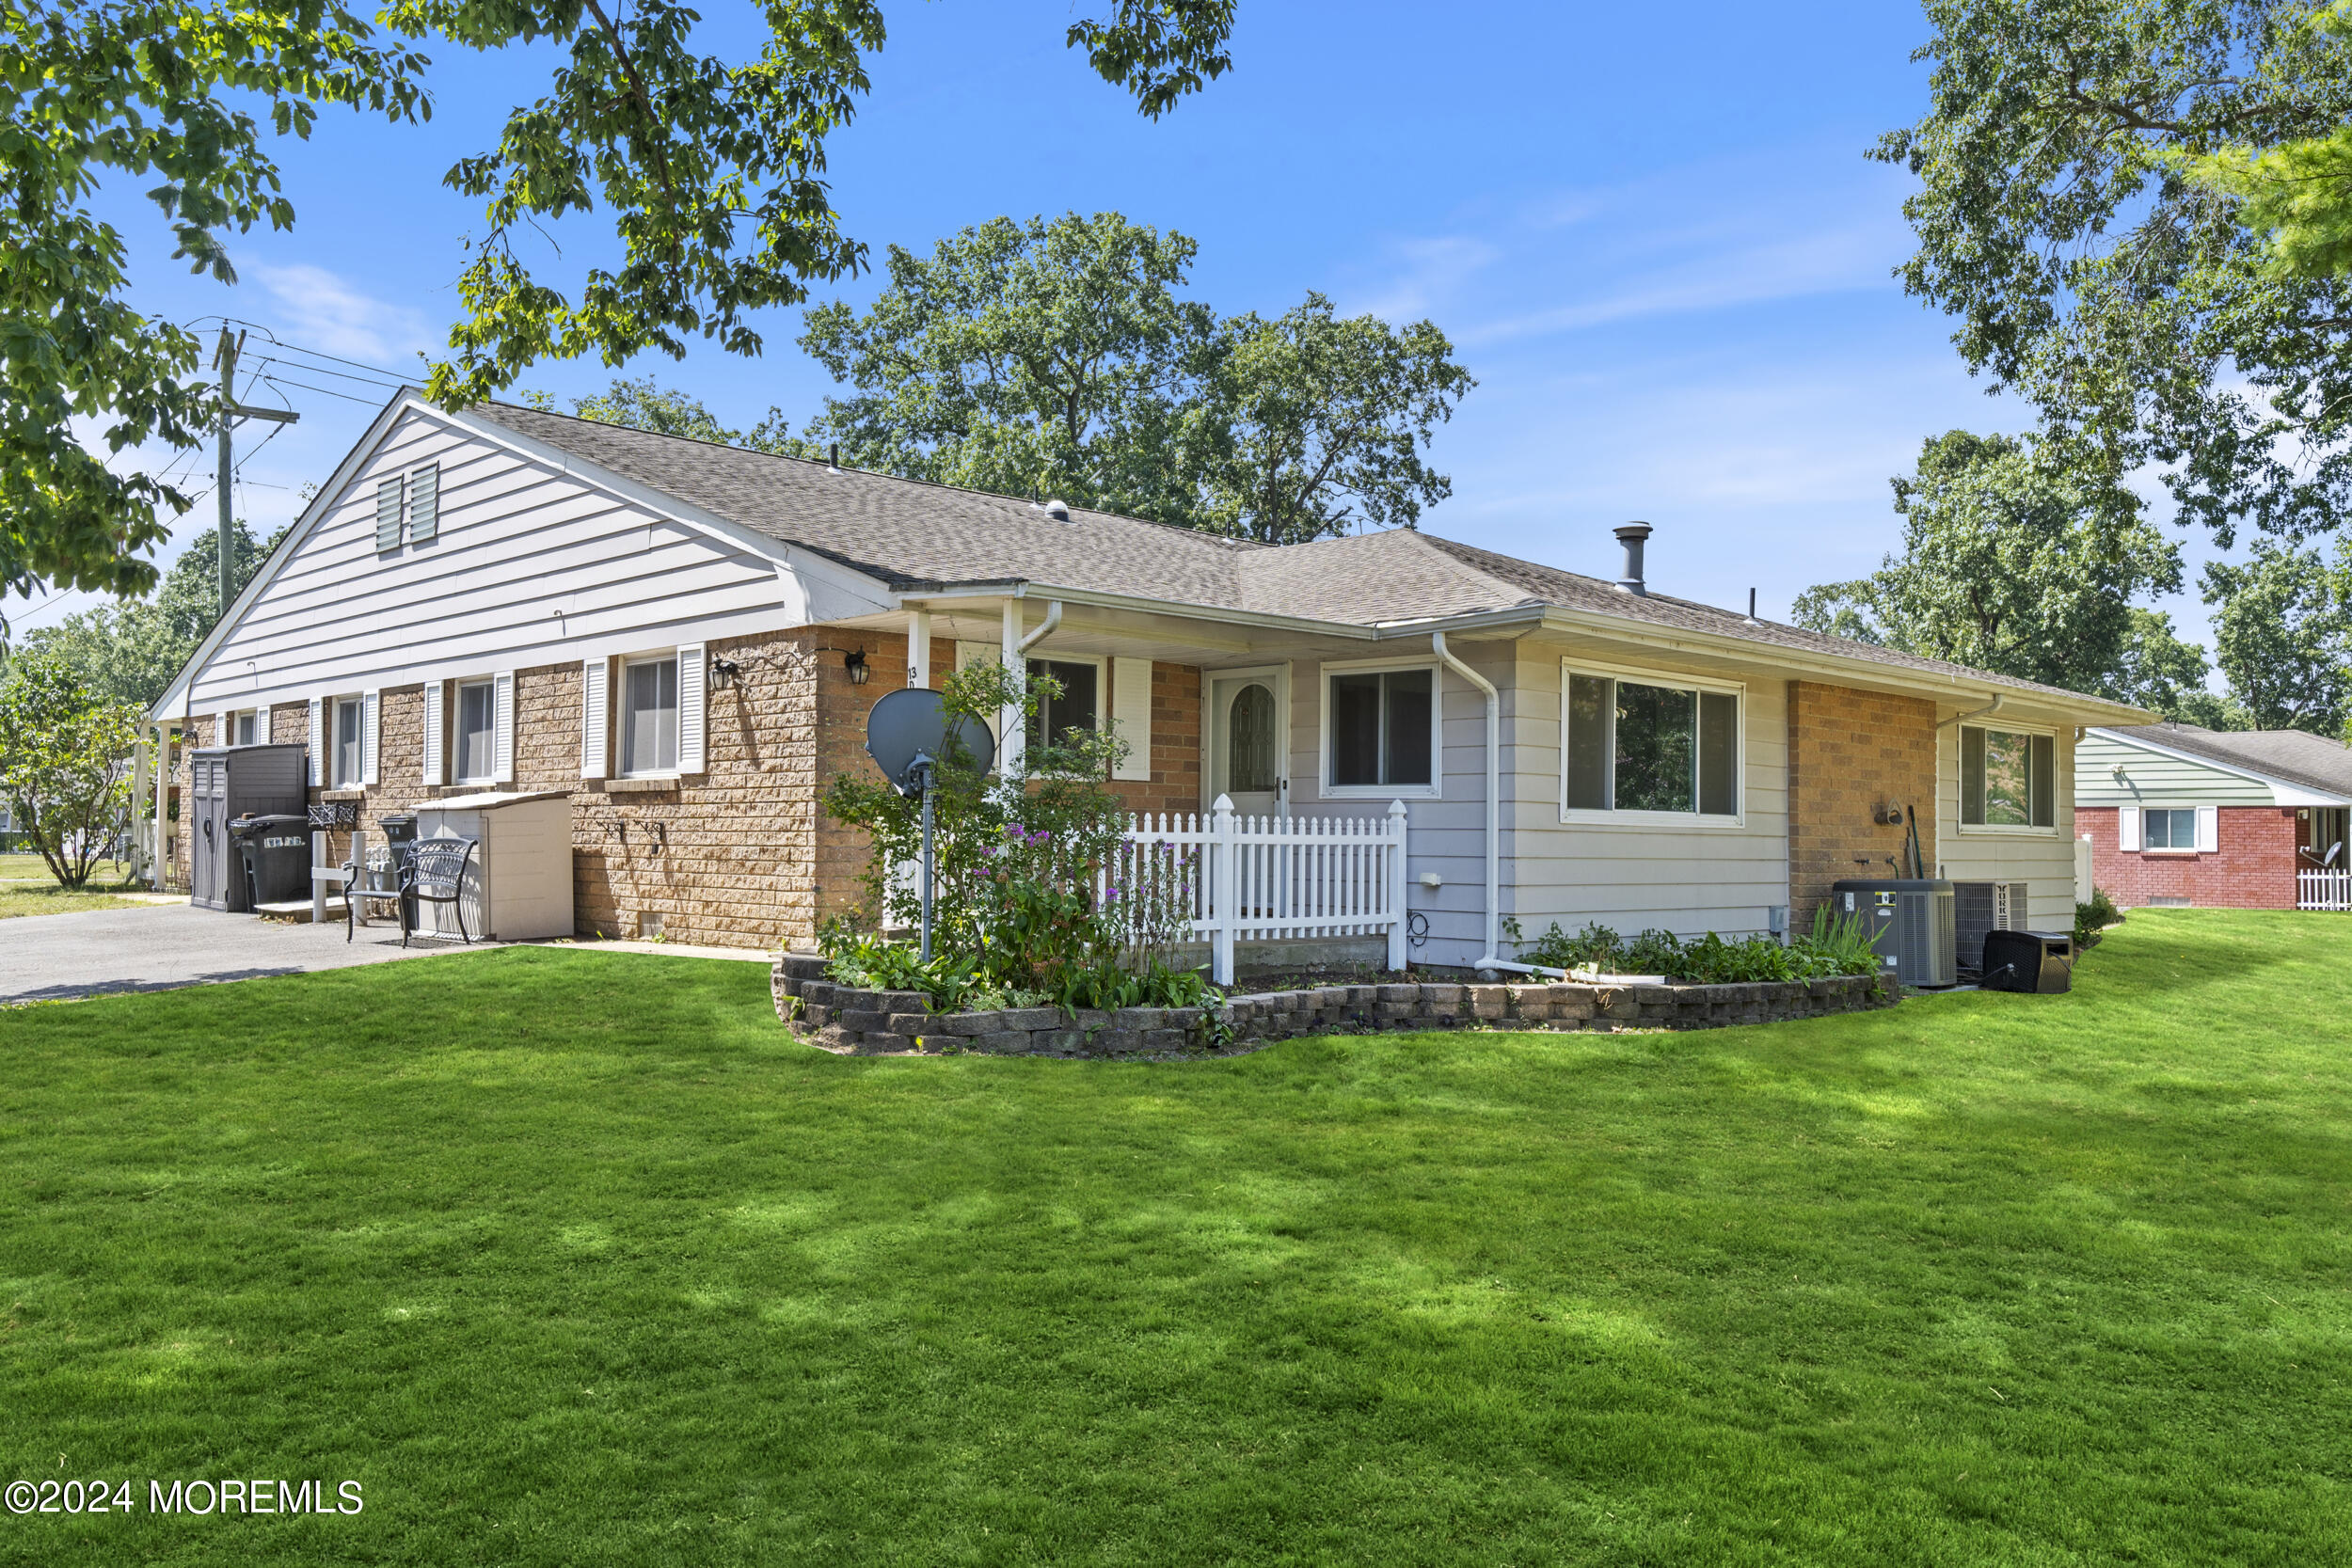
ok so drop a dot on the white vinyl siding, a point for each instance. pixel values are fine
(2150, 778)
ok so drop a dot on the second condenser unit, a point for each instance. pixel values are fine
(1981, 909)
(1909, 919)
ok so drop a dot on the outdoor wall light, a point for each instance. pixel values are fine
(855, 664)
(724, 674)
(1431, 880)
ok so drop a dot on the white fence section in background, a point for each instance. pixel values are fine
(1254, 879)
(2322, 890)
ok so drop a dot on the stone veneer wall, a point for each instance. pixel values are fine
(1850, 752)
(739, 855)
(867, 1022)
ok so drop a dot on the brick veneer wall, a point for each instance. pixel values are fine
(2253, 868)
(739, 855)
(1849, 751)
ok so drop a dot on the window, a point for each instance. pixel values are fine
(1381, 725)
(1637, 746)
(2007, 779)
(1251, 743)
(349, 765)
(243, 729)
(1076, 709)
(477, 732)
(2168, 829)
(649, 715)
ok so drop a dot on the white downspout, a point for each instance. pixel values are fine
(1012, 740)
(1490, 958)
(1992, 707)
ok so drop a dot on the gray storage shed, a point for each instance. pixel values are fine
(228, 782)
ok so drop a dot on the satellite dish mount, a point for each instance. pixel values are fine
(908, 734)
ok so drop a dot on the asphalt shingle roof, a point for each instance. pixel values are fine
(911, 535)
(2291, 756)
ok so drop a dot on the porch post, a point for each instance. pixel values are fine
(919, 648)
(1224, 908)
(142, 758)
(1396, 885)
(1011, 725)
(163, 800)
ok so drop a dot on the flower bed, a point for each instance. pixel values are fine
(868, 1022)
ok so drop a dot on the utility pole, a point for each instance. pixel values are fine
(231, 412)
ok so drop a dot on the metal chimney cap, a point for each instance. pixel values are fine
(1057, 510)
(1633, 534)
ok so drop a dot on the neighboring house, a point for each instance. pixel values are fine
(687, 637)
(2178, 815)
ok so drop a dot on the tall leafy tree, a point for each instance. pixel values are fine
(2282, 636)
(129, 653)
(65, 763)
(1060, 357)
(2014, 565)
(2065, 218)
(708, 168)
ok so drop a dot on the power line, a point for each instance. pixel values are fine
(276, 341)
(321, 370)
(324, 392)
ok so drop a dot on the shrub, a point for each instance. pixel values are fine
(1038, 897)
(2092, 919)
(1838, 946)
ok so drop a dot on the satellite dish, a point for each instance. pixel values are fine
(914, 722)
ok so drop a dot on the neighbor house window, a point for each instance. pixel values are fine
(2008, 779)
(1078, 706)
(1648, 746)
(348, 764)
(1381, 728)
(2168, 829)
(477, 732)
(649, 715)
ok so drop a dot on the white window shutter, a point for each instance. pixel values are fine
(371, 732)
(2208, 830)
(2127, 828)
(1131, 710)
(318, 739)
(595, 714)
(224, 728)
(694, 686)
(504, 701)
(435, 724)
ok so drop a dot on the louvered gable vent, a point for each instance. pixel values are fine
(424, 503)
(388, 514)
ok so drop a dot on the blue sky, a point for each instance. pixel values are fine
(1653, 237)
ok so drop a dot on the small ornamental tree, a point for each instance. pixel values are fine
(65, 763)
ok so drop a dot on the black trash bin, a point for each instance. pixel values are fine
(276, 852)
(399, 837)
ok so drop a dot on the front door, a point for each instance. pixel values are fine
(1247, 757)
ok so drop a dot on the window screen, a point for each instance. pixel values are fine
(246, 727)
(2007, 779)
(1633, 746)
(1074, 708)
(2168, 829)
(477, 732)
(1380, 727)
(649, 716)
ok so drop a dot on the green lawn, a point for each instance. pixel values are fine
(576, 1258)
(26, 887)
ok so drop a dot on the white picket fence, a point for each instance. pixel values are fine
(2322, 890)
(1254, 879)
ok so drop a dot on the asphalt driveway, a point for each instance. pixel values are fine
(49, 957)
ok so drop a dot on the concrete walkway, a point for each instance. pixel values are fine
(52, 956)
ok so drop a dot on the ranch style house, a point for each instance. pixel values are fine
(686, 638)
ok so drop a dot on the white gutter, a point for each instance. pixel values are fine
(1990, 708)
(1490, 959)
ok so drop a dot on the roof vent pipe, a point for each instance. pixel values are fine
(833, 458)
(1631, 536)
(1059, 511)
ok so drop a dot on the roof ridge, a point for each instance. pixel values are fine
(1225, 539)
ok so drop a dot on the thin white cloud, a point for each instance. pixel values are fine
(322, 311)
(1427, 274)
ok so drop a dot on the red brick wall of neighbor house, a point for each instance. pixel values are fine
(2253, 868)
(739, 855)
(1848, 753)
